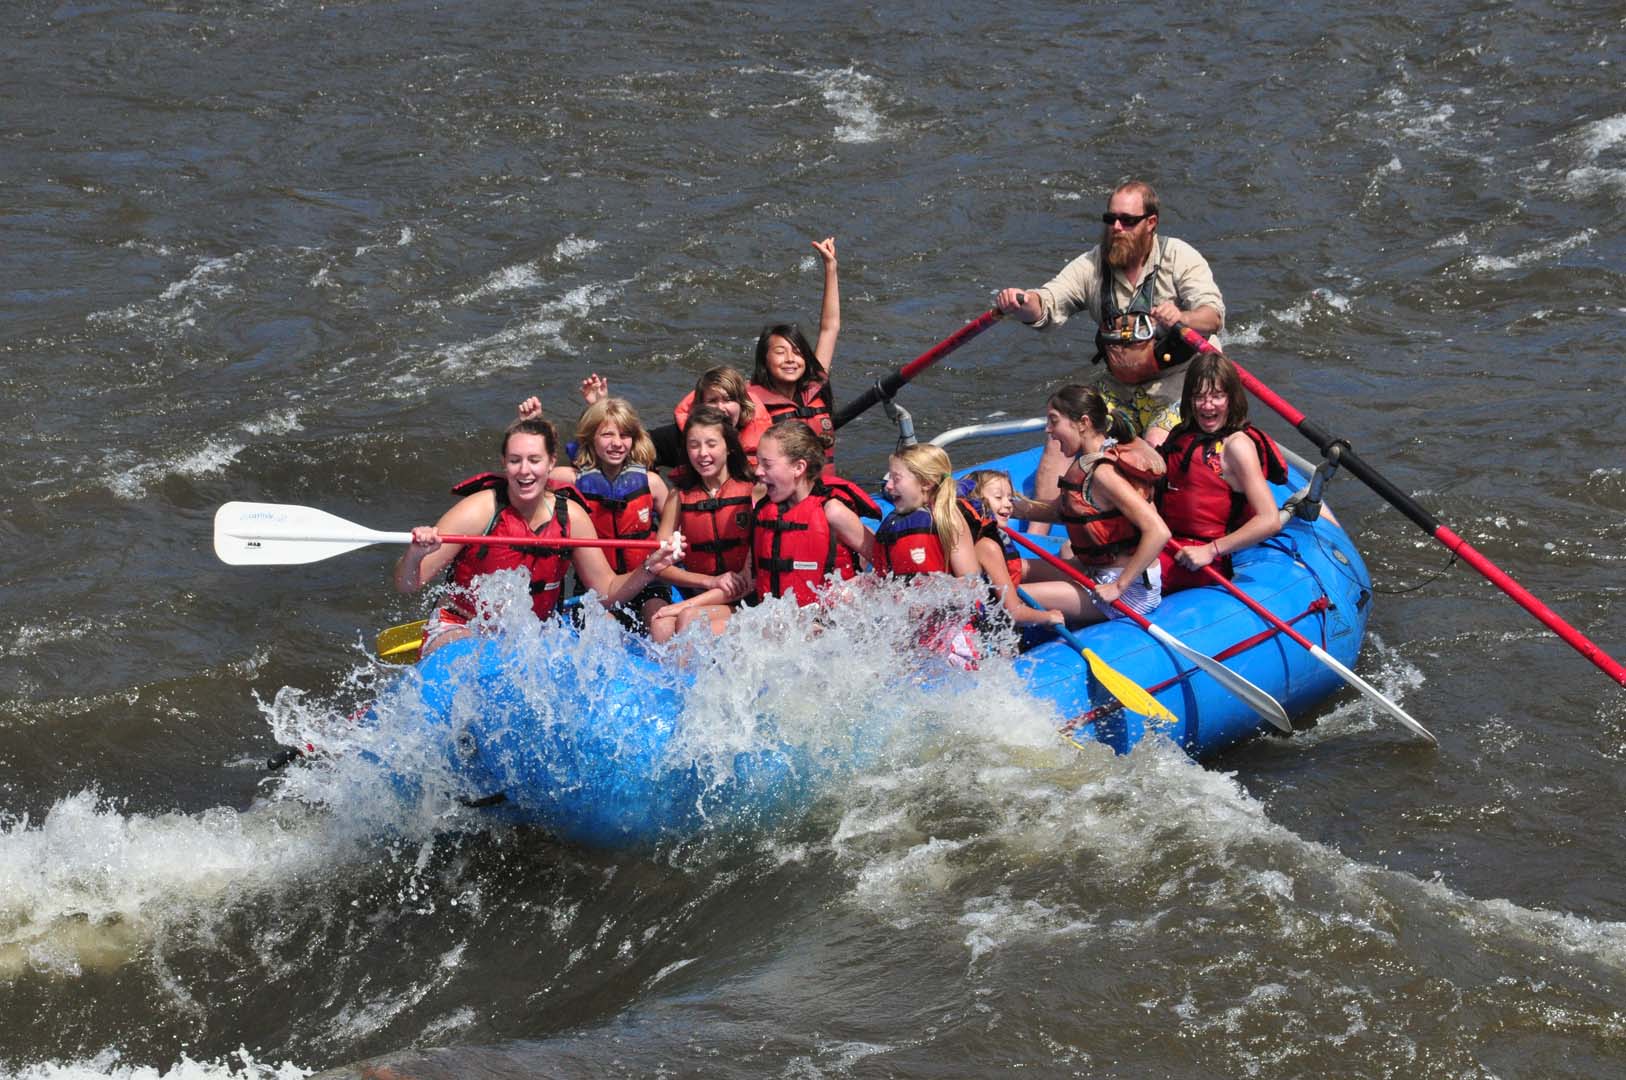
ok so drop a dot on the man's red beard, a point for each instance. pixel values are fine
(1126, 249)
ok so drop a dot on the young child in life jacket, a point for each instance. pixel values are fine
(516, 503)
(711, 504)
(793, 377)
(623, 496)
(1105, 502)
(989, 496)
(1216, 497)
(798, 528)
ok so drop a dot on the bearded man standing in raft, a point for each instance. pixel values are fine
(1137, 286)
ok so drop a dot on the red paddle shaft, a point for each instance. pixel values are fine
(554, 542)
(1422, 518)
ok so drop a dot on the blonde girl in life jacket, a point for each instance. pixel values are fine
(519, 503)
(793, 377)
(622, 492)
(711, 504)
(1106, 503)
(928, 531)
(796, 527)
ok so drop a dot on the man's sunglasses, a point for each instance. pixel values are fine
(1128, 221)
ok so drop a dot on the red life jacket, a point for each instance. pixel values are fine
(814, 410)
(1100, 536)
(621, 509)
(547, 566)
(716, 528)
(792, 550)
(1197, 503)
(857, 500)
(750, 434)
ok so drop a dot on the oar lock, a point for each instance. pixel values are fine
(1306, 502)
(899, 416)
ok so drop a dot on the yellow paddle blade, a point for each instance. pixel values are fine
(399, 644)
(1126, 690)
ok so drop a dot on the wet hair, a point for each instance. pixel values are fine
(534, 426)
(798, 443)
(1213, 369)
(711, 416)
(1147, 193)
(1076, 402)
(930, 465)
(792, 333)
(730, 382)
(617, 411)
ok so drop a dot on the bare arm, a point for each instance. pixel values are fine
(657, 493)
(426, 556)
(1117, 493)
(991, 558)
(1034, 509)
(1245, 474)
(830, 311)
(962, 557)
(850, 530)
(593, 569)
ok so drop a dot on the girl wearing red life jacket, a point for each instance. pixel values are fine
(1106, 503)
(990, 496)
(521, 505)
(622, 495)
(711, 504)
(797, 528)
(1216, 498)
(793, 378)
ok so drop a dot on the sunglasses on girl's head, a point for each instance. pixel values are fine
(1128, 221)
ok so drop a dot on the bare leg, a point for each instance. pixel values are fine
(1073, 601)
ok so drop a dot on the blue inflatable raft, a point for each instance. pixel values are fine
(593, 759)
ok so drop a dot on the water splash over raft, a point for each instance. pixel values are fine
(609, 741)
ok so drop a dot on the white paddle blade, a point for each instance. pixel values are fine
(273, 534)
(1373, 694)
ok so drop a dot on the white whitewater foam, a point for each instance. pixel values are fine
(573, 247)
(1538, 254)
(109, 1065)
(509, 279)
(851, 95)
(214, 455)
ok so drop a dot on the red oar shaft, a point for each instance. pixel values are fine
(1420, 517)
(1257, 608)
(890, 385)
(1077, 575)
(553, 542)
